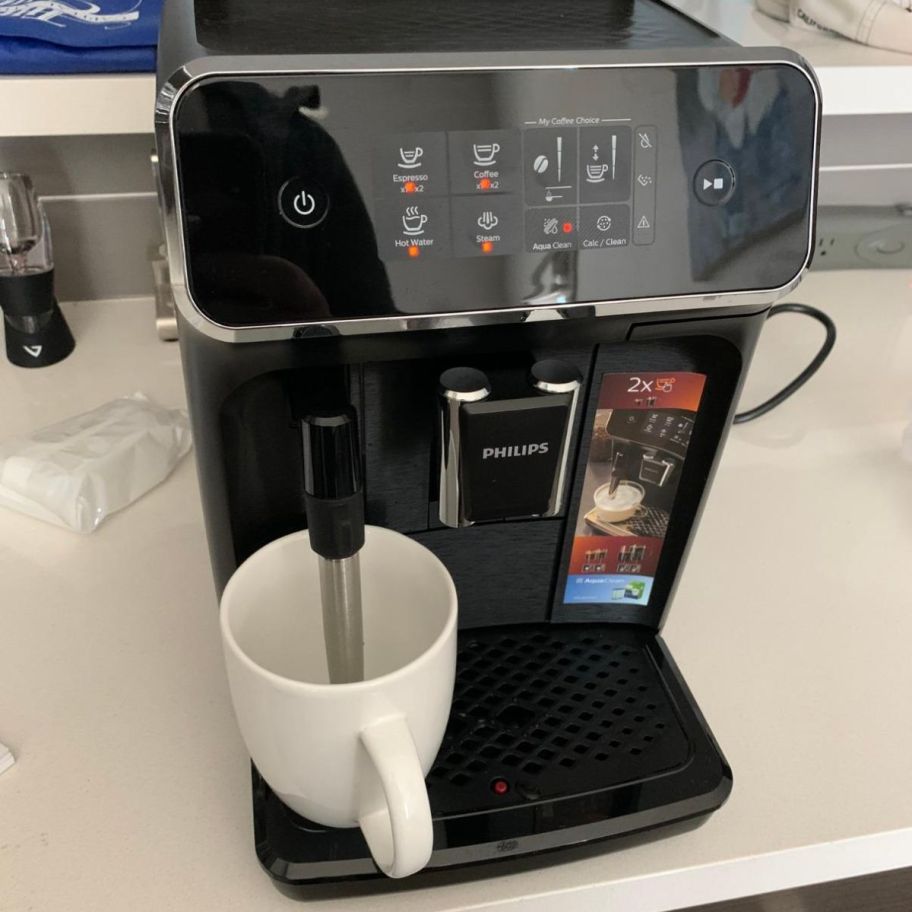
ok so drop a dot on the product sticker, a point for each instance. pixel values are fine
(640, 437)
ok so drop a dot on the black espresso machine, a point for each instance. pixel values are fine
(532, 244)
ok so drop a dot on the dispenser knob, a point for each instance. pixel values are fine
(464, 384)
(554, 376)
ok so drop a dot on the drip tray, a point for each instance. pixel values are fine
(549, 711)
(559, 734)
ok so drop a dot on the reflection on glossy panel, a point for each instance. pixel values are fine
(345, 196)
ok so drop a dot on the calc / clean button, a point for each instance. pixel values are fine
(303, 203)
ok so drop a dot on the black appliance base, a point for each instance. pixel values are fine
(590, 726)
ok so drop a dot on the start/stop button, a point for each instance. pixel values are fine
(714, 182)
(303, 202)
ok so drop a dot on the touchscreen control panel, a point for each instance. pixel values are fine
(329, 197)
(496, 192)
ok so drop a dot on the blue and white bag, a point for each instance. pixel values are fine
(78, 36)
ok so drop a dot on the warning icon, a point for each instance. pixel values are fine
(643, 224)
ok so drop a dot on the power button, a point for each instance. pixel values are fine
(303, 203)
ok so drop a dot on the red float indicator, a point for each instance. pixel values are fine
(500, 786)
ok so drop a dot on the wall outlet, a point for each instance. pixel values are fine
(863, 237)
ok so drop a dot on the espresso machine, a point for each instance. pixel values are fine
(517, 239)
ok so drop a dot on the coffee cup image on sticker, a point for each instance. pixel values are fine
(620, 504)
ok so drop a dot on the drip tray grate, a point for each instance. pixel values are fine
(553, 711)
(589, 726)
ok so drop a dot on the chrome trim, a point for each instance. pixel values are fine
(281, 65)
(545, 387)
(452, 511)
(556, 500)
(474, 396)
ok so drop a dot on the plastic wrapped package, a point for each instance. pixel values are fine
(81, 470)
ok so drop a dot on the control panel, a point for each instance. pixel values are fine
(485, 193)
(314, 199)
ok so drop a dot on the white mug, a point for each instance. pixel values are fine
(354, 754)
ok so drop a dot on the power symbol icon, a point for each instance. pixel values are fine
(303, 203)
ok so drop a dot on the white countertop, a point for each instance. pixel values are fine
(792, 626)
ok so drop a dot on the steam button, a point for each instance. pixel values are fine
(303, 203)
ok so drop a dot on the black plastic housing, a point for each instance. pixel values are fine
(579, 708)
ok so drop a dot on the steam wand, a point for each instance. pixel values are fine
(335, 519)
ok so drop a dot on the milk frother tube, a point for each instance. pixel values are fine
(335, 519)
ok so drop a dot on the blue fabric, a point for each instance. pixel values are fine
(78, 36)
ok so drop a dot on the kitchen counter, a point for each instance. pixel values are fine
(791, 625)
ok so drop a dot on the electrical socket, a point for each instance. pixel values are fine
(863, 237)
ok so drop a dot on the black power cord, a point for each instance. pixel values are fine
(807, 373)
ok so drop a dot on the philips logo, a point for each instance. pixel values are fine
(526, 449)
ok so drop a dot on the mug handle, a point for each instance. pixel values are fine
(400, 835)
